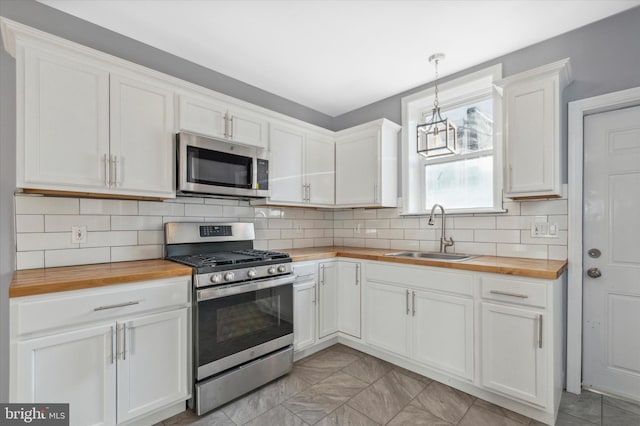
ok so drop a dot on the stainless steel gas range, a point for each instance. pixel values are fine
(242, 309)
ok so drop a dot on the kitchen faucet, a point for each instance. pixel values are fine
(444, 243)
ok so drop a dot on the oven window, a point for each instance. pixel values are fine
(232, 324)
(218, 168)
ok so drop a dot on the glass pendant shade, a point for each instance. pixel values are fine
(436, 137)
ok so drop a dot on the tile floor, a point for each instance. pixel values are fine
(341, 386)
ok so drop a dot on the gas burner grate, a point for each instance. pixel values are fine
(263, 254)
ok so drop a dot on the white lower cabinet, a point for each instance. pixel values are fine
(112, 362)
(349, 298)
(388, 324)
(513, 357)
(304, 314)
(327, 298)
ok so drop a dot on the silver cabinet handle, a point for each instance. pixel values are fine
(375, 192)
(117, 178)
(413, 303)
(506, 293)
(309, 192)
(226, 124)
(304, 192)
(540, 331)
(124, 341)
(111, 338)
(107, 170)
(322, 274)
(118, 305)
(357, 273)
(231, 127)
(407, 302)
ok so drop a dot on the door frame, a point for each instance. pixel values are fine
(577, 111)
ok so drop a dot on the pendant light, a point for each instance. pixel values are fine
(437, 136)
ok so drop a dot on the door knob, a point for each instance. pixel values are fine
(594, 253)
(594, 272)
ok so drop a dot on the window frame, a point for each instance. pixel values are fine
(464, 90)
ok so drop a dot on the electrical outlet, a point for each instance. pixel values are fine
(543, 229)
(78, 234)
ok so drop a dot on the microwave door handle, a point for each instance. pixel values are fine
(254, 173)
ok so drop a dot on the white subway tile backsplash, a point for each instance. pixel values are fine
(543, 207)
(512, 207)
(560, 220)
(522, 250)
(353, 242)
(292, 213)
(29, 223)
(280, 223)
(459, 234)
(158, 208)
(378, 243)
(560, 239)
(322, 242)
(419, 234)
(238, 212)
(111, 238)
(61, 223)
(80, 256)
(343, 214)
(313, 214)
(108, 207)
(148, 237)
(497, 236)
(188, 200)
(222, 201)
(291, 233)
(136, 223)
(27, 204)
(404, 223)
(338, 241)
(386, 213)
(429, 245)
(472, 222)
(29, 259)
(267, 234)
(364, 214)
(391, 234)
(404, 245)
(127, 253)
(44, 241)
(485, 249)
(515, 222)
(558, 252)
(303, 243)
(205, 210)
(280, 244)
(313, 233)
(376, 223)
(343, 233)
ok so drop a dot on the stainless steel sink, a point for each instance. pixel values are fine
(451, 257)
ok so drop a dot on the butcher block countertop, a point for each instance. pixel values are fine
(50, 280)
(534, 268)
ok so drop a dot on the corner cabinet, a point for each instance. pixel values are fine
(367, 165)
(533, 110)
(301, 167)
(87, 126)
(115, 354)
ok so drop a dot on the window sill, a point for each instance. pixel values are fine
(449, 212)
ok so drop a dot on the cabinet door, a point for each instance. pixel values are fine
(304, 312)
(388, 315)
(63, 133)
(142, 137)
(357, 164)
(349, 305)
(320, 169)
(513, 361)
(152, 363)
(443, 332)
(327, 299)
(75, 367)
(285, 166)
(532, 132)
(247, 128)
(202, 117)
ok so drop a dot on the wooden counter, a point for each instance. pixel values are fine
(535, 268)
(50, 280)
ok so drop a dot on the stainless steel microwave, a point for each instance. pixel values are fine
(211, 166)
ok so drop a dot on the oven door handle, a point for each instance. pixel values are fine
(244, 287)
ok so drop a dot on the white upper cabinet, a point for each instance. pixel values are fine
(367, 165)
(301, 167)
(210, 117)
(63, 121)
(141, 137)
(532, 116)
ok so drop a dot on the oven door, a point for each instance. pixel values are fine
(238, 323)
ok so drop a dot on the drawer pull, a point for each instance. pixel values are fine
(119, 305)
(505, 293)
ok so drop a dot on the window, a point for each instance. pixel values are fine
(470, 180)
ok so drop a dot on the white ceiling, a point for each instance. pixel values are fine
(335, 56)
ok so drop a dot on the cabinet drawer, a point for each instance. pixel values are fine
(513, 290)
(422, 278)
(71, 308)
(303, 269)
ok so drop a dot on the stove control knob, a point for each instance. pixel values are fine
(228, 276)
(215, 278)
(271, 270)
(251, 273)
(282, 268)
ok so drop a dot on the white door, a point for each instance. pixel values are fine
(327, 299)
(611, 312)
(285, 166)
(443, 332)
(202, 117)
(388, 317)
(349, 302)
(76, 367)
(320, 169)
(247, 128)
(357, 163)
(142, 137)
(513, 361)
(304, 313)
(152, 363)
(66, 124)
